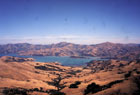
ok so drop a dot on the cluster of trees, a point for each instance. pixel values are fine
(58, 84)
(75, 85)
(94, 88)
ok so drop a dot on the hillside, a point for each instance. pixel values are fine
(103, 50)
(111, 77)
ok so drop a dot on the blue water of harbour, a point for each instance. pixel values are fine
(66, 60)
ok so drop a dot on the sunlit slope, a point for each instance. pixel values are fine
(111, 77)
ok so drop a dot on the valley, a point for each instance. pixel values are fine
(69, 47)
(119, 74)
(110, 77)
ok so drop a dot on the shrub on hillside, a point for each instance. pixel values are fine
(92, 88)
(55, 92)
(75, 85)
(14, 91)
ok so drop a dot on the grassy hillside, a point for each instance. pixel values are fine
(97, 78)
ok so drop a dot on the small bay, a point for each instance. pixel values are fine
(64, 60)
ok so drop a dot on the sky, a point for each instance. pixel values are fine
(75, 21)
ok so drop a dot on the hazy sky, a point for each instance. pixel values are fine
(76, 21)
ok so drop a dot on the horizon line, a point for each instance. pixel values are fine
(69, 43)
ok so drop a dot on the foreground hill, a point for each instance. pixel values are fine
(104, 50)
(26, 77)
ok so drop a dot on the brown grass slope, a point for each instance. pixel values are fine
(113, 77)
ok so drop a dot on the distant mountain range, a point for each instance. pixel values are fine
(103, 50)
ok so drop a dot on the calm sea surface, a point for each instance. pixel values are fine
(66, 61)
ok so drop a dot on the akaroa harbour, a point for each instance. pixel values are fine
(63, 60)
